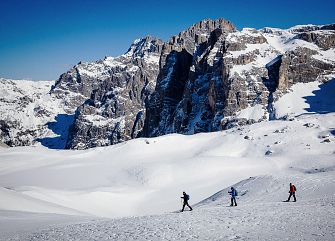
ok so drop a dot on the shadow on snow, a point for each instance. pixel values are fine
(323, 100)
(60, 127)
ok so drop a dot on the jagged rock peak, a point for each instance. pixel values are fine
(200, 32)
(210, 25)
(145, 45)
(203, 33)
(196, 35)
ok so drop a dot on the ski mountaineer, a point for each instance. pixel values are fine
(233, 194)
(185, 198)
(292, 193)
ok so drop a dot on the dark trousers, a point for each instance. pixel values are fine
(186, 204)
(233, 200)
(292, 194)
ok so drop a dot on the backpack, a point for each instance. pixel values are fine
(295, 189)
(236, 194)
(187, 197)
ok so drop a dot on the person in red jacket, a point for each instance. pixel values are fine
(292, 193)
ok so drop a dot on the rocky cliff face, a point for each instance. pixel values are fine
(203, 86)
(92, 104)
(112, 94)
(206, 78)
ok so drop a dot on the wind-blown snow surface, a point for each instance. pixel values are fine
(41, 187)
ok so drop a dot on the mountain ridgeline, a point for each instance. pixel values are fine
(198, 81)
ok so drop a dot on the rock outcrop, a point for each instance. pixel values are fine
(114, 91)
(203, 85)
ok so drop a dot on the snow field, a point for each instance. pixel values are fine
(260, 215)
(147, 176)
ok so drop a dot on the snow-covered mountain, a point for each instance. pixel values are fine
(81, 195)
(207, 81)
(115, 90)
(103, 102)
(207, 78)
(28, 113)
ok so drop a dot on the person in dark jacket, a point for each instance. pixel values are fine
(292, 193)
(233, 194)
(185, 198)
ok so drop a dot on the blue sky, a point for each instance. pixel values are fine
(40, 40)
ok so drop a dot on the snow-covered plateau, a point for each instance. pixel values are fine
(132, 190)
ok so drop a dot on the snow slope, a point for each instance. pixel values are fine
(306, 98)
(145, 177)
(306, 220)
